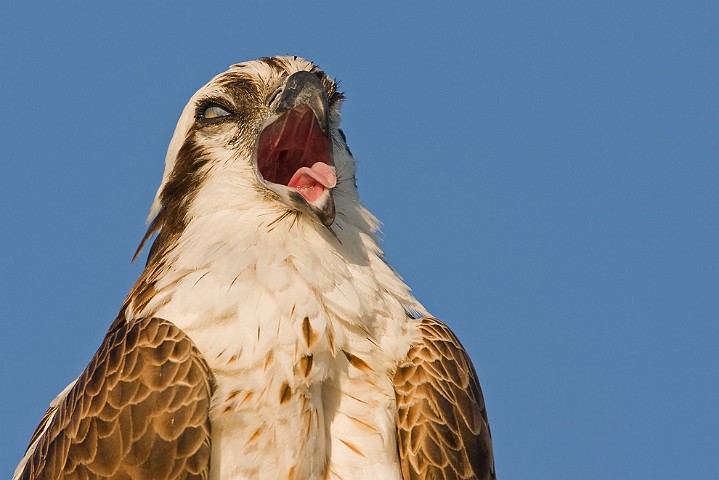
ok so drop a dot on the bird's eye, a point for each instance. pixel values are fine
(213, 111)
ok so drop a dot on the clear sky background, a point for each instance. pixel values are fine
(547, 174)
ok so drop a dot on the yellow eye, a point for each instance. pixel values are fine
(214, 111)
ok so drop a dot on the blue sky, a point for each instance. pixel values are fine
(546, 173)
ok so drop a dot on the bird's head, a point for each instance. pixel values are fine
(261, 139)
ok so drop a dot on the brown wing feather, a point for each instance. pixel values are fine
(442, 427)
(140, 410)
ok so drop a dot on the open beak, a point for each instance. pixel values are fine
(294, 151)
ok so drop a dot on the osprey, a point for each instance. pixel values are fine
(267, 338)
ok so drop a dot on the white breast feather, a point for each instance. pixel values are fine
(241, 290)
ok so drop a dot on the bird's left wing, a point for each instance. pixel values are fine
(442, 428)
(140, 410)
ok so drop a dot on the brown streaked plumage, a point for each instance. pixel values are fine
(442, 427)
(140, 410)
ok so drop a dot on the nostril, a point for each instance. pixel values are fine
(273, 98)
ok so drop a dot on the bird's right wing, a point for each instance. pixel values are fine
(140, 410)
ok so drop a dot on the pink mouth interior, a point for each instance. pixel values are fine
(294, 152)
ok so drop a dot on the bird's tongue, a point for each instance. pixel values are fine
(310, 182)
